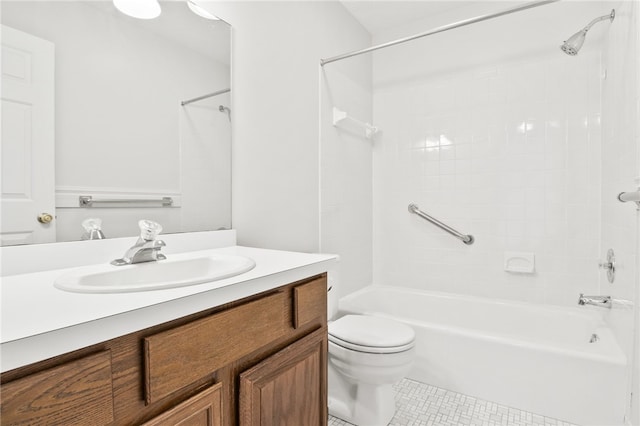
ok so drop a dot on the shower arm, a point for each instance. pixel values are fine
(610, 16)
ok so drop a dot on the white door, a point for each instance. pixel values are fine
(27, 154)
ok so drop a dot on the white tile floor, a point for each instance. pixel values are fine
(420, 404)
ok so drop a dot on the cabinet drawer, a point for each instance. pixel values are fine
(310, 302)
(204, 409)
(181, 356)
(77, 392)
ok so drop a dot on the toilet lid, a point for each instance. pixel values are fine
(367, 333)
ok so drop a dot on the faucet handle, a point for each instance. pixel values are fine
(149, 229)
(609, 265)
(92, 229)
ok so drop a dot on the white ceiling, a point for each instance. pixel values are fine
(376, 16)
(179, 24)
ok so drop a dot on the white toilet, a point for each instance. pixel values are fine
(367, 355)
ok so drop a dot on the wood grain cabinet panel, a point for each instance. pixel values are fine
(181, 356)
(310, 303)
(75, 393)
(266, 354)
(288, 388)
(204, 409)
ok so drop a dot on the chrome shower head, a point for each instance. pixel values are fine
(574, 43)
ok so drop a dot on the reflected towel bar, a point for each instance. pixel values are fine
(88, 201)
(467, 239)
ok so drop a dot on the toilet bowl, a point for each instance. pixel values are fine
(367, 355)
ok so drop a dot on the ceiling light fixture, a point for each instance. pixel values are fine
(200, 11)
(141, 9)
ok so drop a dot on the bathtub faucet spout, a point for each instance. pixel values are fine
(601, 301)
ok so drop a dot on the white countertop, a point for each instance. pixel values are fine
(39, 321)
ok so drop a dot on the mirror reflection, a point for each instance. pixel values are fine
(132, 114)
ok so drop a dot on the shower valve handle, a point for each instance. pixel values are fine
(609, 265)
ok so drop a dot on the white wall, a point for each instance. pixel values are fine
(493, 130)
(346, 205)
(620, 168)
(120, 129)
(277, 47)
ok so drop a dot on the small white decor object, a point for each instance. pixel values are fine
(519, 262)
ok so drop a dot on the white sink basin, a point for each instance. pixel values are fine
(170, 273)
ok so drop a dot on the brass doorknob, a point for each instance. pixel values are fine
(45, 218)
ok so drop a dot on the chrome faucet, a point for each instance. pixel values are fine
(601, 301)
(147, 248)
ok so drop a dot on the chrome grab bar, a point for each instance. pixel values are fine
(467, 239)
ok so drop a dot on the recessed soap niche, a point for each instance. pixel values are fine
(519, 262)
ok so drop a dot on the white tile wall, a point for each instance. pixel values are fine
(519, 174)
(507, 151)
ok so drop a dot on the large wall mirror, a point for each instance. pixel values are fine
(133, 113)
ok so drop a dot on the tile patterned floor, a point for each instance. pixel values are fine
(420, 404)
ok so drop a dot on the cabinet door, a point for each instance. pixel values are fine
(75, 393)
(288, 388)
(204, 409)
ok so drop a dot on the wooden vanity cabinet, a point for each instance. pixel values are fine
(204, 409)
(75, 392)
(286, 388)
(256, 361)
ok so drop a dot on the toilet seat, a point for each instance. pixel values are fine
(370, 334)
(370, 349)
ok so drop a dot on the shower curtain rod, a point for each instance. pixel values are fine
(199, 98)
(443, 28)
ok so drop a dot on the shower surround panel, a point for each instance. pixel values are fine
(507, 152)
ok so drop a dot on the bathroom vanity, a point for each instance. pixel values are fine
(256, 355)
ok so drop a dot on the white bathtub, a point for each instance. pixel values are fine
(532, 357)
